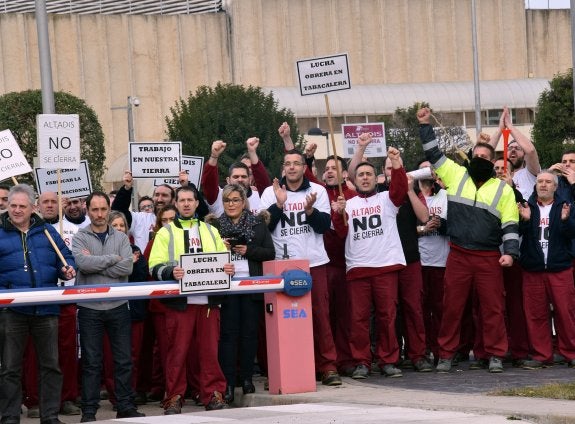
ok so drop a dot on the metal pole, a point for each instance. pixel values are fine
(573, 49)
(44, 55)
(130, 121)
(476, 68)
(131, 139)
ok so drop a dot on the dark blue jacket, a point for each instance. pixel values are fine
(43, 265)
(560, 234)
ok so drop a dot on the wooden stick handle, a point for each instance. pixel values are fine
(53, 243)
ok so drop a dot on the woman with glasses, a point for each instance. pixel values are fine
(249, 240)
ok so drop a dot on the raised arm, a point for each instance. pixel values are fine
(285, 133)
(362, 143)
(210, 177)
(261, 177)
(531, 157)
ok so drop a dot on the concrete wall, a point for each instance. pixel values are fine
(105, 58)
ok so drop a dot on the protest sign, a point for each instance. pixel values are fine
(12, 160)
(204, 271)
(193, 165)
(155, 160)
(58, 139)
(73, 182)
(323, 74)
(351, 132)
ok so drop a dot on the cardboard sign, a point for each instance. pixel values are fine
(351, 132)
(204, 272)
(12, 160)
(194, 165)
(58, 138)
(323, 74)
(73, 182)
(155, 160)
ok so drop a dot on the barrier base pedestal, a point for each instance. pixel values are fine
(289, 332)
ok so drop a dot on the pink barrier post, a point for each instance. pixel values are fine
(289, 331)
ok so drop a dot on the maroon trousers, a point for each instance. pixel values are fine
(539, 290)
(196, 330)
(323, 344)
(339, 314)
(410, 294)
(466, 273)
(380, 291)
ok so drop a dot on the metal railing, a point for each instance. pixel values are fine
(108, 7)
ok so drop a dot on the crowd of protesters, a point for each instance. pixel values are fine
(472, 262)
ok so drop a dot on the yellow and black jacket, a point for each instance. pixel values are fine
(478, 218)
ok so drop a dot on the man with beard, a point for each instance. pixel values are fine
(521, 153)
(482, 215)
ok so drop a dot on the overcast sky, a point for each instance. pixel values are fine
(547, 4)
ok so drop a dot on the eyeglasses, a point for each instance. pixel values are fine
(146, 207)
(233, 201)
(515, 147)
(288, 164)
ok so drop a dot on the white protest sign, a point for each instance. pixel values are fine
(323, 74)
(204, 272)
(58, 138)
(351, 132)
(194, 165)
(12, 160)
(73, 182)
(155, 160)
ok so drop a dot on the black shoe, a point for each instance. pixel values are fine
(229, 395)
(141, 398)
(51, 421)
(88, 418)
(248, 386)
(130, 413)
(331, 378)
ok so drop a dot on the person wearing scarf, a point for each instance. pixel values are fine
(250, 242)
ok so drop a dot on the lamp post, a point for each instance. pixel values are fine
(131, 103)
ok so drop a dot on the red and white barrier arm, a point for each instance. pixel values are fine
(124, 291)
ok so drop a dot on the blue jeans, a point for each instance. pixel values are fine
(43, 330)
(92, 323)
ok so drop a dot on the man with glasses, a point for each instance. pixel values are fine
(146, 204)
(300, 215)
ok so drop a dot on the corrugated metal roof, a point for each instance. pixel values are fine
(385, 99)
(106, 7)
